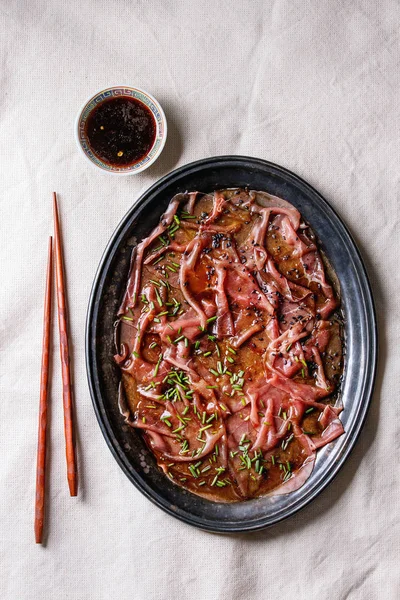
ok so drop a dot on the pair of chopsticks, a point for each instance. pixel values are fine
(66, 379)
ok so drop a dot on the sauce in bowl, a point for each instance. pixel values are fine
(121, 131)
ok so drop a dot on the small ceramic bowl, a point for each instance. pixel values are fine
(121, 91)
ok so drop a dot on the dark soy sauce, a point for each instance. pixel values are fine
(121, 131)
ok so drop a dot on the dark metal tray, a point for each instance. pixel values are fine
(126, 444)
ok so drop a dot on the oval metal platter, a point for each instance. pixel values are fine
(126, 444)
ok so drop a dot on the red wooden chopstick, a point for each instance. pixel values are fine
(44, 379)
(65, 357)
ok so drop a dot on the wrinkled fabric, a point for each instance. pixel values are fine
(313, 86)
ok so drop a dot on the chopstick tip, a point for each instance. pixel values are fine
(56, 218)
(73, 488)
(38, 540)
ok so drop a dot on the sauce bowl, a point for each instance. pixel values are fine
(145, 98)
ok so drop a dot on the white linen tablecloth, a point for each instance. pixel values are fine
(312, 85)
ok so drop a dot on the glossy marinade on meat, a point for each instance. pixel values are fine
(230, 345)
